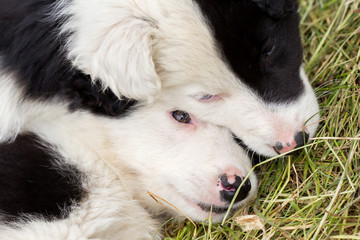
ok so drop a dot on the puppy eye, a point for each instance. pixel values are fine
(206, 97)
(181, 116)
(268, 50)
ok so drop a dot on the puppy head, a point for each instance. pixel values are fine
(231, 63)
(194, 165)
(242, 74)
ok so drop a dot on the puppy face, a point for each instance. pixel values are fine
(234, 64)
(259, 124)
(243, 75)
(192, 164)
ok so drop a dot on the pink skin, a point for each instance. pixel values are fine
(231, 173)
(287, 145)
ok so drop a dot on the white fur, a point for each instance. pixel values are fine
(10, 121)
(141, 49)
(112, 37)
(113, 41)
(124, 159)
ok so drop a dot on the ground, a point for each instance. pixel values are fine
(316, 194)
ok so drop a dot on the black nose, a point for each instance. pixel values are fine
(229, 189)
(301, 138)
(278, 147)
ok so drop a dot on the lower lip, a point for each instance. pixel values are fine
(207, 208)
(197, 204)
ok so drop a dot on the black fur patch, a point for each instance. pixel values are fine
(264, 51)
(31, 47)
(32, 184)
(276, 8)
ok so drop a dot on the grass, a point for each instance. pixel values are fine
(315, 195)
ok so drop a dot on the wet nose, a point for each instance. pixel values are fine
(229, 184)
(299, 140)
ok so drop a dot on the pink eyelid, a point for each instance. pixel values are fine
(209, 98)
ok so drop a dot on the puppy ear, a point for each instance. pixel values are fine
(277, 8)
(118, 55)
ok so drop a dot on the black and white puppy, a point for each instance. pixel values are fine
(105, 101)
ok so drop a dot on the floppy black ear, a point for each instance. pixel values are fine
(277, 8)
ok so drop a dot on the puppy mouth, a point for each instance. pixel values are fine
(215, 209)
(206, 207)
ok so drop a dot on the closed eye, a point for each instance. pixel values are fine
(267, 51)
(208, 98)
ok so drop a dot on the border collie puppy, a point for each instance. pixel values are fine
(106, 102)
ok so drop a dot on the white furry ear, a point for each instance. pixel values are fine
(115, 47)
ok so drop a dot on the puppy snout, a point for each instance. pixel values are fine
(299, 140)
(278, 147)
(229, 184)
